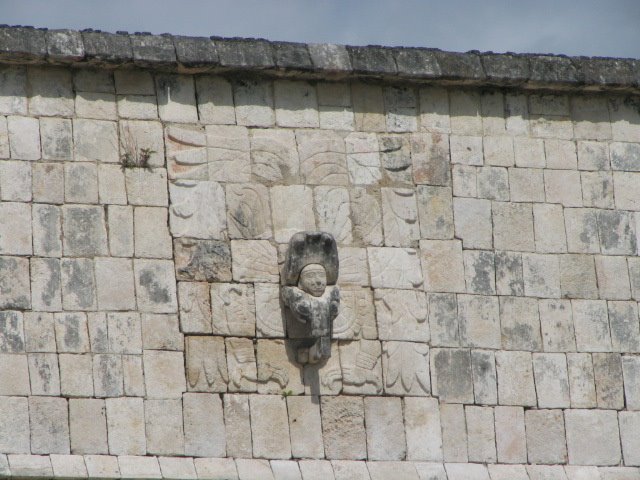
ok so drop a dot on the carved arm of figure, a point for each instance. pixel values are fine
(297, 301)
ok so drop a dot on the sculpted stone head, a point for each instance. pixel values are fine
(313, 279)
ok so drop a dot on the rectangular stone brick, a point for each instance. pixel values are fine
(581, 380)
(296, 104)
(607, 369)
(343, 427)
(483, 367)
(305, 427)
(593, 437)
(507, 472)
(164, 427)
(515, 378)
(578, 276)
(430, 159)
(370, 367)
(520, 324)
(435, 210)
(24, 137)
(452, 375)
(541, 275)
(49, 422)
(155, 286)
(549, 228)
(195, 307)
(254, 261)
(545, 436)
(591, 323)
(72, 334)
(464, 181)
(493, 183)
(88, 426)
(15, 181)
(215, 100)
(613, 278)
(241, 365)
(631, 371)
(509, 274)
(552, 382)
(625, 329)
(84, 231)
(14, 425)
(76, 375)
(43, 374)
(394, 268)
(15, 229)
(384, 420)
(472, 220)
(114, 282)
(443, 320)
(481, 434)
(513, 226)
(479, 272)
(423, 430)
(629, 427)
(401, 315)
(510, 435)
(598, 189)
(443, 265)
(164, 374)
(363, 158)
(108, 375)
(39, 332)
(454, 433)
(582, 230)
(556, 322)
(125, 423)
(334, 216)
(206, 364)
(47, 182)
(529, 152)
(617, 232)
(81, 183)
(47, 230)
(237, 425)
(479, 321)
(498, 150)
(526, 185)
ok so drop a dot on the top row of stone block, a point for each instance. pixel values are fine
(168, 52)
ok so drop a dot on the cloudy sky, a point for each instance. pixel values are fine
(573, 27)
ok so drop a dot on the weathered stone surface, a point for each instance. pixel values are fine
(435, 210)
(629, 424)
(254, 261)
(423, 430)
(556, 322)
(269, 421)
(81, 185)
(49, 425)
(39, 332)
(591, 323)
(55, 137)
(88, 426)
(24, 138)
(607, 370)
(47, 230)
(237, 425)
(383, 417)
(483, 367)
(15, 180)
(241, 364)
(510, 435)
(366, 215)
(202, 260)
(84, 231)
(76, 376)
(163, 426)
(443, 320)
(515, 378)
(578, 276)
(212, 467)
(480, 272)
(401, 315)
(125, 424)
(14, 425)
(581, 380)
(545, 436)
(248, 211)
(472, 222)
(452, 378)
(552, 383)
(343, 427)
(613, 279)
(233, 310)
(322, 157)
(15, 229)
(276, 372)
(190, 212)
(631, 370)
(228, 153)
(95, 140)
(305, 427)
(155, 286)
(443, 265)
(333, 212)
(592, 437)
(520, 324)
(541, 275)
(480, 434)
(400, 217)
(363, 158)
(405, 367)
(394, 268)
(479, 321)
(274, 157)
(296, 104)
(114, 284)
(195, 307)
(361, 367)
(454, 432)
(43, 374)
(108, 375)
(164, 374)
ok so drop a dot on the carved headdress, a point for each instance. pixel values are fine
(306, 248)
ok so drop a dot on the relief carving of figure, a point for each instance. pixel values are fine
(310, 293)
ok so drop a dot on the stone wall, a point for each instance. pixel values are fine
(489, 271)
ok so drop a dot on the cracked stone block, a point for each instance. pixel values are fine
(69, 466)
(88, 426)
(215, 100)
(176, 98)
(629, 424)
(343, 427)
(206, 364)
(155, 286)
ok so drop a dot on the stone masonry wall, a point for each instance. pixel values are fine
(489, 272)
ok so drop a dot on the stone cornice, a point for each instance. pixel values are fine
(27, 45)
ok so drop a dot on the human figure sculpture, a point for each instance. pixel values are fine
(311, 294)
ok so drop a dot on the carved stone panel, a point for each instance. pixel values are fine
(356, 318)
(361, 367)
(402, 315)
(406, 368)
(206, 364)
(278, 371)
(241, 360)
(233, 310)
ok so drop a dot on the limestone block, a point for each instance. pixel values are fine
(581, 380)
(14, 425)
(592, 437)
(268, 314)
(176, 98)
(513, 226)
(254, 261)
(546, 436)
(598, 189)
(114, 282)
(45, 284)
(563, 186)
(133, 376)
(155, 286)
(15, 181)
(276, 372)
(120, 228)
(529, 152)
(216, 467)
(591, 118)
(148, 187)
(479, 272)
(368, 106)
(84, 231)
(139, 467)
(296, 104)
(607, 370)
(343, 427)
(237, 425)
(191, 214)
(88, 426)
(541, 275)
(354, 269)
(254, 103)
(47, 230)
(556, 322)
(215, 100)
(202, 260)
(76, 375)
(15, 229)
(591, 325)
(479, 321)
(316, 470)
(139, 107)
(254, 469)
(47, 182)
(363, 158)
(423, 430)
(285, 221)
(331, 93)
(241, 363)
(465, 112)
(593, 155)
(305, 427)
(520, 324)
(333, 212)
(186, 152)
(401, 315)
(322, 157)
(228, 153)
(613, 278)
(435, 210)
(492, 107)
(549, 228)
(108, 375)
(350, 469)
(544, 472)
(274, 157)
(336, 117)
(55, 137)
(95, 140)
(366, 215)
(507, 472)
(517, 114)
(81, 184)
(14, 283)
(452, 378)
(629, 425)
(24, 138)
(509, 274)
(51, 91)
(631, 371)
(11, 332)
(464, 180)
(98, 335)
(624, 156)
(43, 374)
(394, 268)
(39, 332)
(248, 211)
(395, 159)
(361, 367)
(617, 233)
(526, 185)
(400, 217)
(442, 263)
(493, 183)
(405, 367)
(401, 108)
(498, 151)
(511, 443)
(430, 159)
(163, 425)
(195, 307)
(552, 382)
(454, 432)
(134, 81)
(387, 469)
(466, 150)
(177, 468)
(49, 422)
(68, 466)
(103, 466)
(164, 374)
(578, 276)
(126, 426)
(72, 334)
(136, 136)
(324, 378)
(481, 436)
(383, 417)
(472, 220)
(515, 378)
(560, 154)
(14, 79)
(269, 421)
(152, 239)
(30, 465)
(625, 331)
(206, 364)
(485, 384)
(125, 333)
(434, 109)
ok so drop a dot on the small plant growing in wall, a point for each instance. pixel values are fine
(133, 156)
